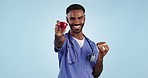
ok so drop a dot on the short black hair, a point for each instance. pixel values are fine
(75, 7)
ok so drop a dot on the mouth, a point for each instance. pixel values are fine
(77, 26)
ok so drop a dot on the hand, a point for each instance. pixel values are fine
(103, 48)
(58, 30)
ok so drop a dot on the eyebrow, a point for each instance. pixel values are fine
(80, 17)
(75, 18)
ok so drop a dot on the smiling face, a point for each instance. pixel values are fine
(76, 20)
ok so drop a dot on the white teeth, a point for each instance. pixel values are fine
(77, 26)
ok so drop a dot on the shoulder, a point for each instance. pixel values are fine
(66, 35)
(92, 42)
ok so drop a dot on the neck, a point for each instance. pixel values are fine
(79, 35)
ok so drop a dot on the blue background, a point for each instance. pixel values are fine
(27, 35)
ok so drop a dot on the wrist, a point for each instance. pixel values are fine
(100, 57)
(59, 35)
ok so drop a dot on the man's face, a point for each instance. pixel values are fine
(76, 20)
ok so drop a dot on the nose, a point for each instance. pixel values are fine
(76, 21)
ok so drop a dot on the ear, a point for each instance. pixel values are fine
(67, 19)
(84, 17)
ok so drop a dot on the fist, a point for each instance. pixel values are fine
(103, 48)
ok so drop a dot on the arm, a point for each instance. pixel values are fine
(98, 68)
(59, 36)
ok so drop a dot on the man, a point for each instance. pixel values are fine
(79, 57)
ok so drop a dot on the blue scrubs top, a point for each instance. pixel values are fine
(73, 62)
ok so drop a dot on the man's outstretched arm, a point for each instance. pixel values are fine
(59, 36)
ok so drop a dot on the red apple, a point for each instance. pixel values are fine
(63, 25)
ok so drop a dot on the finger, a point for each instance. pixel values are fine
(106, 47)
(100, 43)
(57, 29)
(58, 21)
(101, 49)
(104, 44)
(58, 24)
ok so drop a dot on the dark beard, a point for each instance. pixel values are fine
(71, 25)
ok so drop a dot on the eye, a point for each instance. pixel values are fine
(80, 18)
(72, 18)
